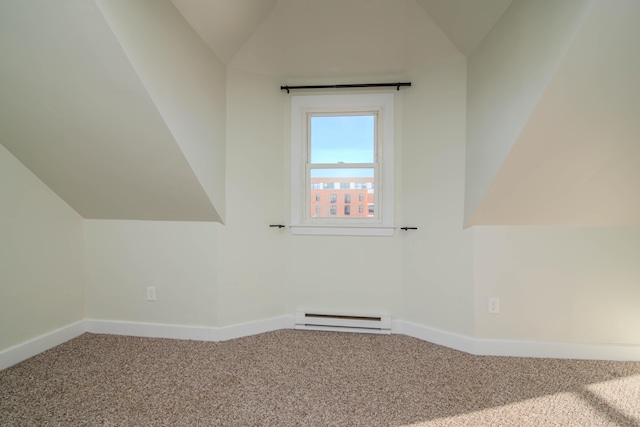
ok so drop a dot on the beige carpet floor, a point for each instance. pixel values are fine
(303, 378)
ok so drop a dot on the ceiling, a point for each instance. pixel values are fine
(465, 22)
(293, 39)
(74, 111)
(225, 25)
(576, 160)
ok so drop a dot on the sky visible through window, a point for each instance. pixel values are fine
(342, 139)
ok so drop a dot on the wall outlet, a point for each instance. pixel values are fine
(151, 293)
(494, 305)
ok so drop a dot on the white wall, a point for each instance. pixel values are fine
(265, 272)
(260, 272)
(426, 275)
(41, 257)
(572, 284)
(205, 274)
(437, 261)
(344, 274)
(185, 80)
(251, 258)
(555, 283)
(178, 258)
(507, 74)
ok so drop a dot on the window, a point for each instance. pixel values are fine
(360, 209)
(317, 197)
(318, 209)
(343, 142)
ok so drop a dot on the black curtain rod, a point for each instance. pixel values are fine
(396, 85)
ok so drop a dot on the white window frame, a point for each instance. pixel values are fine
(304, 105)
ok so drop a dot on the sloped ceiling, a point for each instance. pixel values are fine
(184, 79)
(338, 38)
(576, 160)
(465, 22)
(225, 25)
(506, 76)
(295, 39)
(73, 110)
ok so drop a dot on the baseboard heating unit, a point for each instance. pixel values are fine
(322, 321)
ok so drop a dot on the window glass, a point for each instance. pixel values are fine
(342, 139)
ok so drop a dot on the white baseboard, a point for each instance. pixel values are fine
(253, 328)
(17, 353)
(476, 346)
(433, 335)
(186, 332)
(557, 350)
(151, 330)
(514, 348)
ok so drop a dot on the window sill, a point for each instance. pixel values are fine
(338, 230)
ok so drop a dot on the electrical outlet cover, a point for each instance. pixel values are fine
(494, 305)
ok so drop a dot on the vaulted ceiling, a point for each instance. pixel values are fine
(84, 90)
(336, 38)
(82, 107)
(75, 112)
(575, 161)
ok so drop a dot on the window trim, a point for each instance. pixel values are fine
(301, 106)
